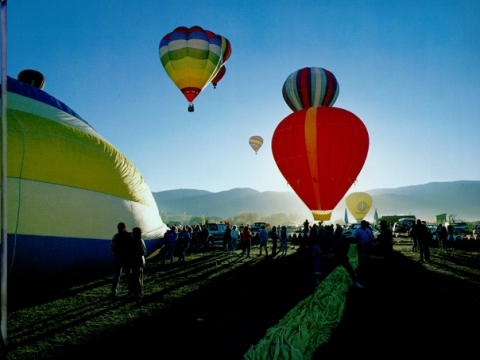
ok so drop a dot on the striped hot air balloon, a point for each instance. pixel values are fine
(191, 57)
(256, 143)
(310, 87)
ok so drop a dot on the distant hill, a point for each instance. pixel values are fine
(460, 198)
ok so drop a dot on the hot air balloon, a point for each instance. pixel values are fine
(310, 87)
(68, 188)
(219, 76)
(320, 151)
(226, 49)
(226, 52)
(256, 143)
(359, 203)
(191, 58)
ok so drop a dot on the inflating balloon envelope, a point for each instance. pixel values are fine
(68, 188)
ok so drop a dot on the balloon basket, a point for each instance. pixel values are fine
(191, 108)
(321, 215)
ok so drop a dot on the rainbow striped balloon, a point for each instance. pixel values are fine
(256, 143)
(191, 57)
(68, 188)
(310, 87)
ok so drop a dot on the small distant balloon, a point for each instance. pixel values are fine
(219, 76)
(256, 143)
(310, 87)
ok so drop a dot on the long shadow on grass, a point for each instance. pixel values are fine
(407, 309)
(214, 306)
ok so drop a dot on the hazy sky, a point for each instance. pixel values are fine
(409, 69)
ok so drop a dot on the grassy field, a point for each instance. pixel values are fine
(216, 305)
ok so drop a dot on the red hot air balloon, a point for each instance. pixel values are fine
(320, 151)
(310, 87)
(219, 76)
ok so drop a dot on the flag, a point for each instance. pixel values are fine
(375, 216)
(346, 217)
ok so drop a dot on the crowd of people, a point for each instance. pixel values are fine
(179, 241)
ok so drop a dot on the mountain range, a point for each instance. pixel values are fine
(458, 198)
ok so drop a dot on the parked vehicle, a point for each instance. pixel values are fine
(476, 230)
(458, 227)
(349, 231)
(257, 226)
(403, 226)
(217, 232)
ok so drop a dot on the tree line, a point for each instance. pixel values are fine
(243, 217)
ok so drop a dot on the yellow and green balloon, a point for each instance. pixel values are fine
(192, 57)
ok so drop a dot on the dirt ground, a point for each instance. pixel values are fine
(216, 305)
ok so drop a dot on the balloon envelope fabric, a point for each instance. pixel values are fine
(68, 188)
(191, 57)
(310, 87)
(320, 151)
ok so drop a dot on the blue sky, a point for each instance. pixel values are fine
(409, 69)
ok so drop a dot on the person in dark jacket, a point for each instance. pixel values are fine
(183, 242)
(170, 240)
(119, 249)
(136, 253)
(422, 233)
(340, 251)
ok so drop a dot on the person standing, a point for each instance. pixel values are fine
(283, 240)
(364, 238)
(423, 236)
(306, 228)
(119, 248)
(137, 252)
(170, 238)
(184, 240)
(234, 239)
(227, 238)
(263, 240)
(385, 240)
(274, 236)
(196, 238)
(205, 236)
(340, 250)
(246, 241)
(442, 235)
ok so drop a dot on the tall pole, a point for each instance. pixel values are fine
(3, 324)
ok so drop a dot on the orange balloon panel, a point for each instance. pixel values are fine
(320, 151)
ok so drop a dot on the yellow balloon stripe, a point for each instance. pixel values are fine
(44, 150)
